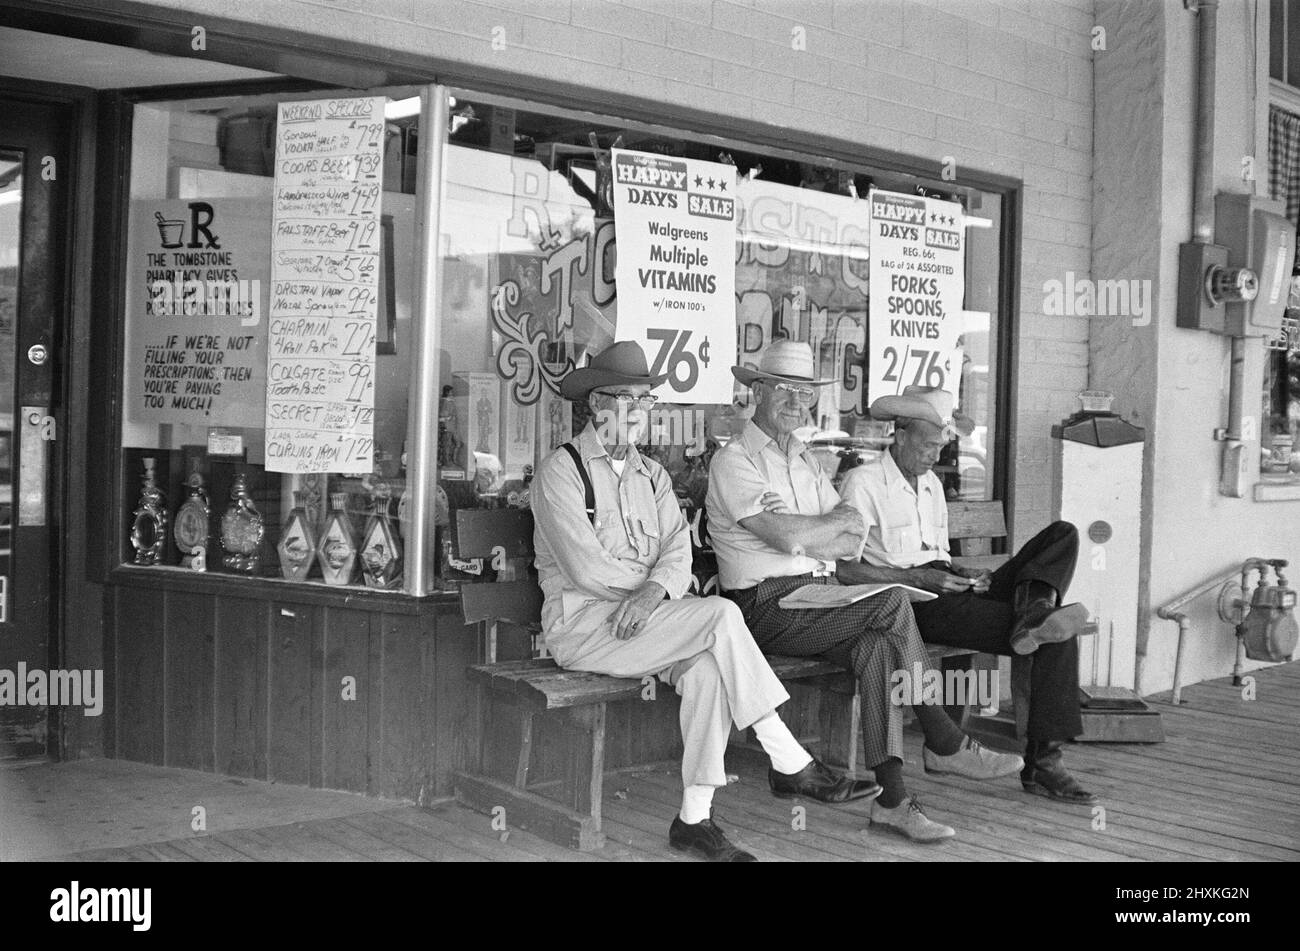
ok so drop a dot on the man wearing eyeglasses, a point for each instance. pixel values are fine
(778, 524)
(615, 572)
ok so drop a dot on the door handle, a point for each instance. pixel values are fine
(37, 430)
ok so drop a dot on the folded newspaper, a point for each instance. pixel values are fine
(838, 595)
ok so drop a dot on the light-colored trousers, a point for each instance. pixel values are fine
(698, 645)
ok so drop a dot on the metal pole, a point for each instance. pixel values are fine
(422, 431)
(1203, 166)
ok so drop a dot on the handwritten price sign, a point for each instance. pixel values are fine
(325, 295)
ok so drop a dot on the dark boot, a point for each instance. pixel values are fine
(1040, 621)
(1045, 774)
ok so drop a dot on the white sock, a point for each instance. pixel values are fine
(780, 745)
(696, 803)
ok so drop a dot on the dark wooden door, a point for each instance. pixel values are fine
(35, 180)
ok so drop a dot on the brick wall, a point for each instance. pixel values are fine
(1002, 86)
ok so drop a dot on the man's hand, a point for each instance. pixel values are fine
(630, 616)
(849, 518)
(938, 581)
(772, 502)
(980, 577)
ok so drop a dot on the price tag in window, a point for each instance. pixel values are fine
(225, 442)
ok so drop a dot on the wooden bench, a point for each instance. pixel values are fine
(515, 696)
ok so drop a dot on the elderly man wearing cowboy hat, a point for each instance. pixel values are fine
(614, 572)
(777, 524)
(1015, 610)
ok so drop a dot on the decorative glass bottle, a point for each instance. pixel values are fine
(192, 524)
(337, 549)
(149, 529)
(241, 529)
(381, 550)
(297, 546)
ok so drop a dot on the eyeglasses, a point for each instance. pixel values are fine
(646, 401)
(804, 394)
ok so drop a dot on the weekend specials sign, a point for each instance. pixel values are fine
(197, 284)
(675, 225)
(326, 226)
(917, 288)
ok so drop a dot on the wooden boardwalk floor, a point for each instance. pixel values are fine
(1224, 787)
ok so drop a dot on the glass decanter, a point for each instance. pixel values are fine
(381, 550)
(297, 547)
(337, 549)
(149, 528)
(242, 529)
(193, 519)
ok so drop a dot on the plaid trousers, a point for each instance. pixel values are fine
(872, 638)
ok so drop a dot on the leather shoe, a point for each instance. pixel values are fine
(816, 781)
(705, 839)
(1045, 774)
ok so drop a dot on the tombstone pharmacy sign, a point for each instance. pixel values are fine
(918, 280)
(320, 397)
(675, 223)
(195, 299)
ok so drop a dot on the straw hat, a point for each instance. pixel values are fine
(930, 403)
(786, 361)
(622, 362)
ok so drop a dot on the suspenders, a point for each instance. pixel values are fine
(588, 489)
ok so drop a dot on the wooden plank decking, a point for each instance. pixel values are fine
(1225, 786)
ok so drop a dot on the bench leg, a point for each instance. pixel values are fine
(587, 779)
(525, 748)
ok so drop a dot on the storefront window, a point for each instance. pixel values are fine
(1280, 445)
(528, 293)
(269, 284)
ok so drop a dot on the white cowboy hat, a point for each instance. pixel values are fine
(787, 361)
(929, 403)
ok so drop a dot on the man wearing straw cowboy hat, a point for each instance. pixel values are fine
(777, 524)
(614, 564)
(1015, 610)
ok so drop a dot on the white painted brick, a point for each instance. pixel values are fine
(853, 79)
(661, 61)
(836, 46)
(386, 9)
(900, 64)
(468, 19)
(745, 81)
(693, 12)
(759, 24)
(968, 81)
(780, 58)
(935, 34)
(819, 12)
(1022, 97)
(704, 40)
(558, 10)
(563, 40)
(1046, 69)
(600, 16)
(878, 20)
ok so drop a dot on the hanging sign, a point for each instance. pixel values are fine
(675, 224)
(197, 282)
(918, 254)
(320, 398)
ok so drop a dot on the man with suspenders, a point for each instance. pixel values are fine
(614, 564)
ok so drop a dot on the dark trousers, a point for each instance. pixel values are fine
(983, 622)
(873, 638)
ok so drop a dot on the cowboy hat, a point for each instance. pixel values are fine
(622, 362)
(786, 361)
(930, 403)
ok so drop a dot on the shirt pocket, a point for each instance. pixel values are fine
(900, 539)
(610, 531)
(648, 537)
